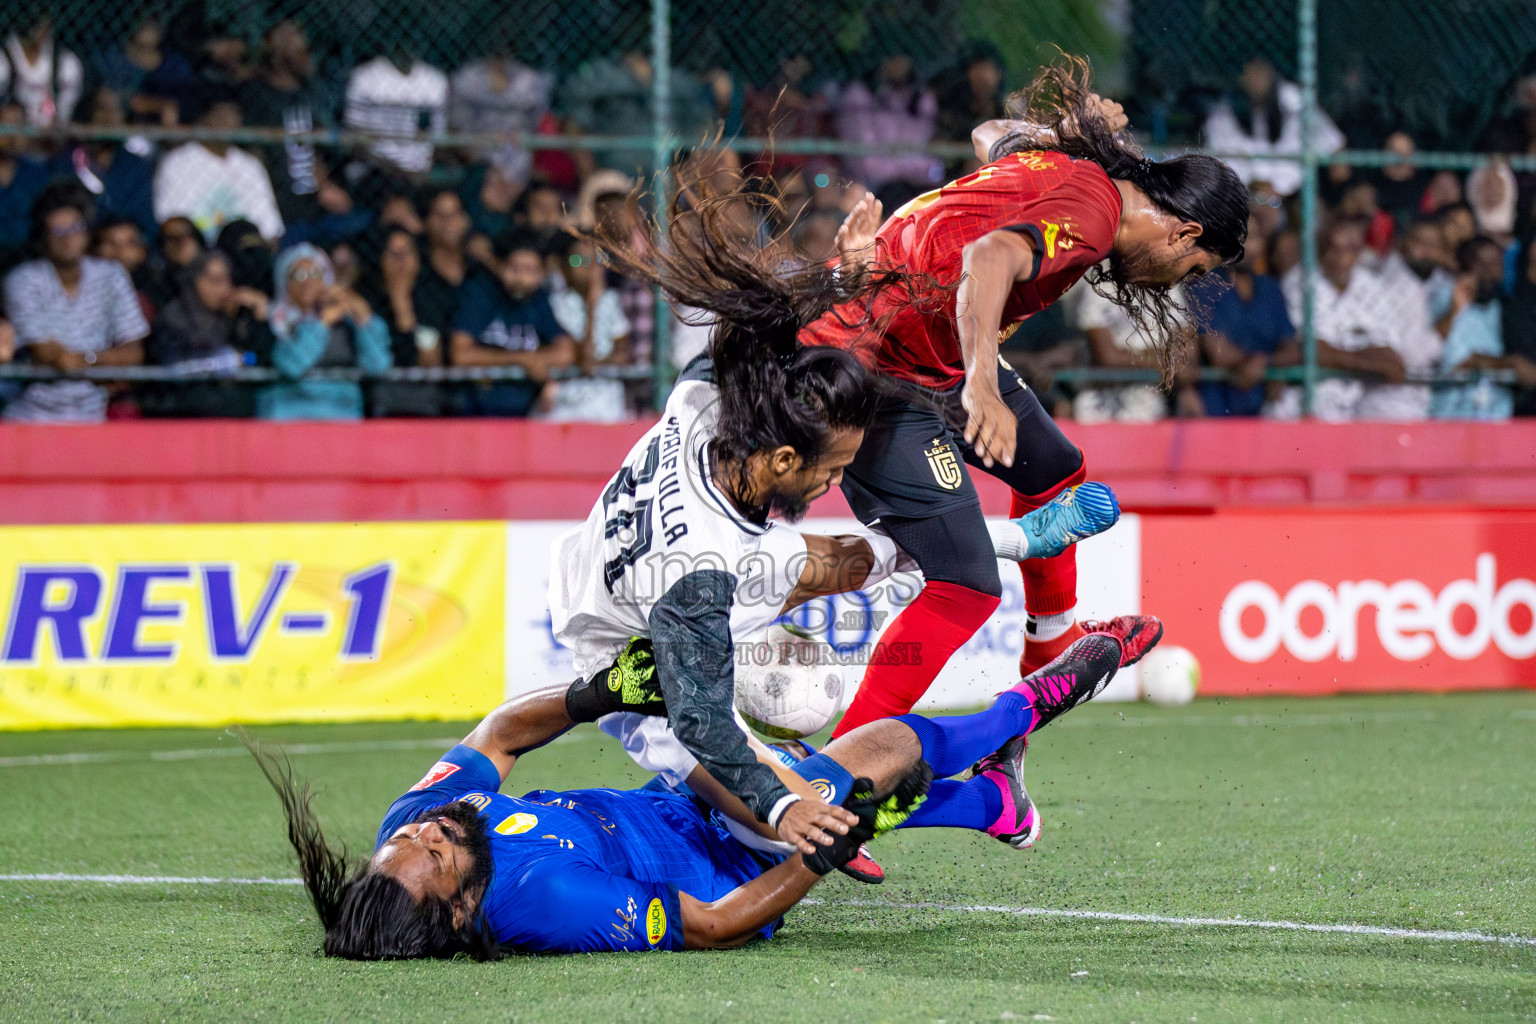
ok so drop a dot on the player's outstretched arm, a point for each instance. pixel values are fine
(519, 725)
(695, 667)
(846, 562)
(991, 265)
(736, 917)
(986, 136)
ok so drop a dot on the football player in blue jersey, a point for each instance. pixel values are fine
(460, 868)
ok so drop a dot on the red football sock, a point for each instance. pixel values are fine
(1050, 584)
(911, 653)
(1040, 653)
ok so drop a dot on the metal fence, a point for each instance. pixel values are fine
(644, 79)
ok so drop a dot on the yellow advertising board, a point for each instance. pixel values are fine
(205, 625)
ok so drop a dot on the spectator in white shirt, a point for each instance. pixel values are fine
(1373, 330)
(70, 312)
(1262, 119)
(398, 95)
(1116, 343)
(589, 311)
(45, 79)
(499, 95)
(1422, 256)
(215, 183)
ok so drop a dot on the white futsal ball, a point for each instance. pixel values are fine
(1170, 676)
(788, 684)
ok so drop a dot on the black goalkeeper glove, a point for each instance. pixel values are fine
(862, 802)
(629, 684)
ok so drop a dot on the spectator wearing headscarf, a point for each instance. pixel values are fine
(315, 325)
(204, 330)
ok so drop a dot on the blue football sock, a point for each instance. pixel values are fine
(975, 803)
(827, 777)
(954, 743)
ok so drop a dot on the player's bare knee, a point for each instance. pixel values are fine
(883, 751)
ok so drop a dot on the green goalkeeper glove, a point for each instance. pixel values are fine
(629, 684)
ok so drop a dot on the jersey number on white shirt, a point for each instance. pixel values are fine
(627, 527)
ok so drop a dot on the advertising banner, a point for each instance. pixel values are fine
(199, 625)
(1318, 602)
(1108, 571)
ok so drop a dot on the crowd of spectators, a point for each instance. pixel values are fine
(1422, 274)
(206, 256)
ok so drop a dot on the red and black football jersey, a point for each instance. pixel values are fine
(1068, 207)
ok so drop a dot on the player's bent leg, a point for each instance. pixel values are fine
(862, 867)
(963, 590)
(1047, 464)
(1077, 513)
(1080, 674)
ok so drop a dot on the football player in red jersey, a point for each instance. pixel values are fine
(1064, 190)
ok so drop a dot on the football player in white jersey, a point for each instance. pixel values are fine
(688, 545)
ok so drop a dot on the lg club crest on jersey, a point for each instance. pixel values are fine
(946, 468)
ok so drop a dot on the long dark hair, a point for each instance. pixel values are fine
(366, 915)
(773, 391)
(1193, 187)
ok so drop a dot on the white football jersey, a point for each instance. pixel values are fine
(660, 518)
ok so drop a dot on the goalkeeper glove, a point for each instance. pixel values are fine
(629, 684)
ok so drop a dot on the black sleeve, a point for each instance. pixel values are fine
(700, 367)
(695, 665)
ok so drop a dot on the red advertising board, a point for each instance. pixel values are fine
(1311, 602)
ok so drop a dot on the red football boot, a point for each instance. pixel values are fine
(864, 868)
(1137, 634)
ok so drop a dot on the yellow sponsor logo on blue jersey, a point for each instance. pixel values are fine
(655, 922)
(516, 824)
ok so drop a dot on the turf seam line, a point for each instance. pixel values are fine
(1377, 931)
(1382, 931)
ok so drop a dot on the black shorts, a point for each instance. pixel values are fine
(914, 460)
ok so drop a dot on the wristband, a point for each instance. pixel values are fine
(784, 803)
(583, 702)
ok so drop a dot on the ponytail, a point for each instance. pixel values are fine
(773, 391)
(1193, 187)
(1057, 112)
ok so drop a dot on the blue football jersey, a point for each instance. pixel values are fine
(585, 870)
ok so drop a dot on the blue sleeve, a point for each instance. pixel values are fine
(372, 343)
(477, 308)
(1282, 315)
(461, 770)
(296, 354)
(544, 320)
(567, 905)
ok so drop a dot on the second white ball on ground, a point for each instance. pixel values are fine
(1170, 676)
(788, 684)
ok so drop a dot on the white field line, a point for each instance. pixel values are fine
(1429, 935)
(235, 750)
(1376, 931)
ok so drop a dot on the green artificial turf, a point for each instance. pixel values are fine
(1408, 812)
